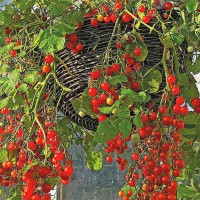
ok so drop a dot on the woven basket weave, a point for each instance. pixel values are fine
(95, 43)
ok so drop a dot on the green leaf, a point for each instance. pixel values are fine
(123, 112)
(118, 79)
(51, 41)
(14, 193)
(6, 102)
(29, 166)
(191, 5)
(151, 81)
(65, 27)
(94, 160)
(125, 127)
(32, 77)
(6, 48)
(138, 122)
(30, 92)
(107, 130)
(186, 191)
(192, 126)
(2, 18)
(190, 91)
(176, 37)
(3, 155)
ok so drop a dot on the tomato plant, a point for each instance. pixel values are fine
(137, 96)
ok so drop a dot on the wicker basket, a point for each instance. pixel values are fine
(96, 41)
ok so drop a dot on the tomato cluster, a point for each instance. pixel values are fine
(32, 160)
(73, 43)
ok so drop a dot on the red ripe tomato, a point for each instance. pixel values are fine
(180, 163)
(141, 9)
(162, 110)
(184, 110)
(49, 58)
(73, 38)
(145, 118)
(135, 85)
(18, 43)
(118, 45)
(180, 124)
(36, 197)
(135, 157)
(196, 102)
(96, 102)
(165, 180)
(13, 53)
(70, 45)
(157, 170)
(168, 5)
(176, 173)
(153, 116)
(69, 170)
(177, 109)
(130, 61)
(146, 19)
(119, 6)
(46, 197)
(92, 92)
(175, 90)
(7, 30)
(109, 159)
(59, 155)
(105, 86)
(46, 69)
(102, 118)
(32, 145)
(126, 18)
(137, 51)
(171, 79)
(180, 100)
(79, 47)
(113, 18)
(162, 196)
(115, 67)
(165, 167)
(103, 97)
(152, 13)
(167, 120)
(46, 187)
(165, 15)
(94, 23)
(107, 19)
(95, 74)
(131, 183)
(8, 40)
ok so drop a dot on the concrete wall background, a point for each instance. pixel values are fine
(88, 184)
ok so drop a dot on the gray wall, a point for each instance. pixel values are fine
(88, 184)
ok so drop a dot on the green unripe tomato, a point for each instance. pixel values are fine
(115, 111)
(136, 111)
(190, 49)
(135, 138)
(82, 113)
(1, 192)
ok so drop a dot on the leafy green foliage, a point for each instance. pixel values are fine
(15, 193)
(138, 122)
(107, 130)
(125, 127)
(192, 125)
(191, 5)
(151, 80)
(94, 160)
(3, 155)
(118, 79)
(186, 191)
(51, 41)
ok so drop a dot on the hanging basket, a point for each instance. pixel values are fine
(95, 43)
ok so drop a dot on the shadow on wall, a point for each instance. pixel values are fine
(88, 184)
